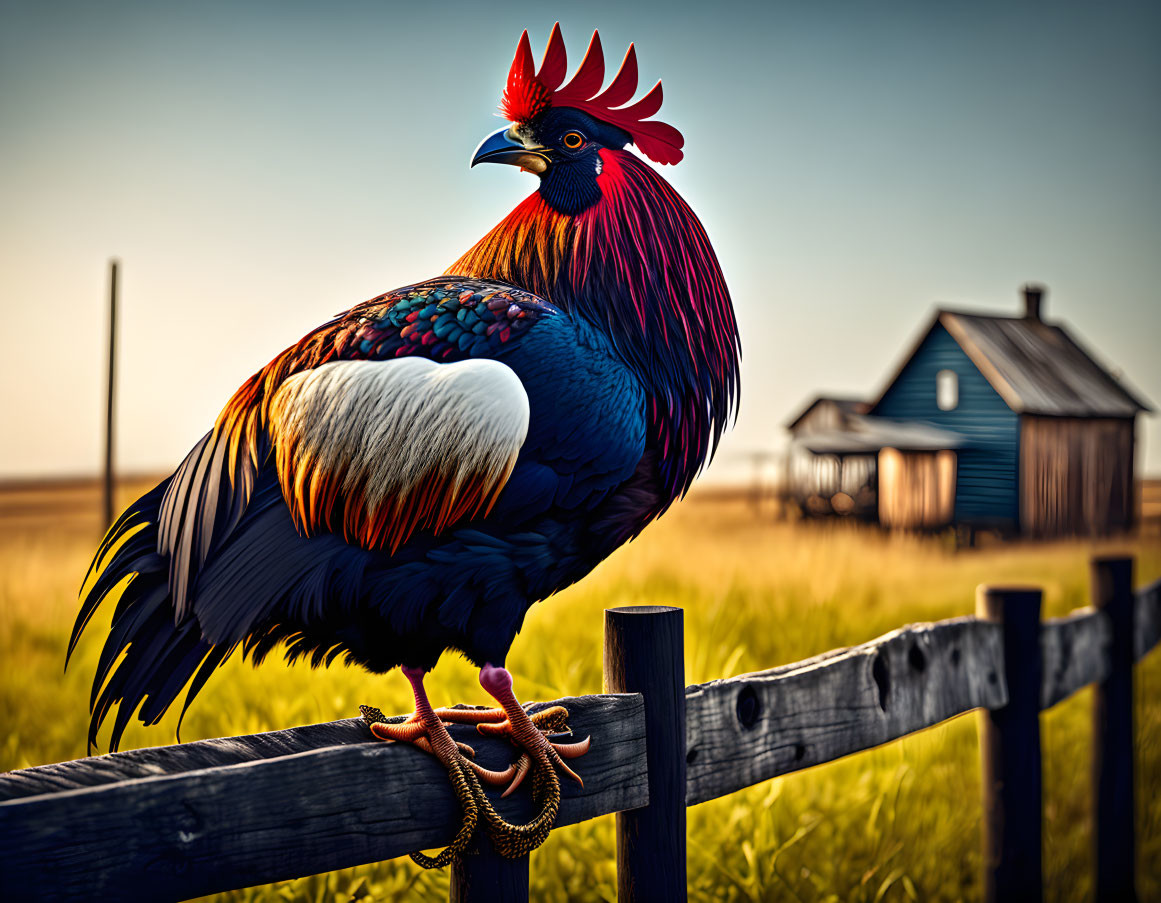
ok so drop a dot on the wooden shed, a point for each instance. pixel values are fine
(830, 480)
(1039, 436)
(836, 461)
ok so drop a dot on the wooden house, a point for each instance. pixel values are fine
(1006, 423)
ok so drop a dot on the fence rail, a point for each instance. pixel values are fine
(174, 822)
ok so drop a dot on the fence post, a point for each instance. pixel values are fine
(1112, 761)
(644, 653)
(482, 875)
(1010, 748)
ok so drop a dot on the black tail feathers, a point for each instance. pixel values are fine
(147, 658)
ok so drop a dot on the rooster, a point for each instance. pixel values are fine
(415, 473)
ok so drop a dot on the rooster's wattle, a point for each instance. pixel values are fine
(414, 474)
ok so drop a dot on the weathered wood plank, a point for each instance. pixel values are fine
(176, 835)
(1147, 620)
(1074, 652)
(161, 760)
(747, 729)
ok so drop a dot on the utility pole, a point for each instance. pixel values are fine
(109, 403)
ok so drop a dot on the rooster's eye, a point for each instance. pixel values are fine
(573, 140)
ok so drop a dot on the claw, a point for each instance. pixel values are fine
(494, 778)
(520, 768)
(408, 732)
(572, 750)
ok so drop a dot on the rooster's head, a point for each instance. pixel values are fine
(559, 132)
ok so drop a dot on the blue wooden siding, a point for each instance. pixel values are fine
(986, 489)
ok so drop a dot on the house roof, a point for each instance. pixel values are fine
(869, 434)
(1039, 368)
(1035, 366)
(845, 404)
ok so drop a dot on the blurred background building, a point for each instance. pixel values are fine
(994, 422)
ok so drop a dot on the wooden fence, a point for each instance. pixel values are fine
(174, 822)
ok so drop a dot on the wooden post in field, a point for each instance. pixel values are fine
(644, 653)
(1010, 747)
(484, 876)
(107, 494)
(1112, 762)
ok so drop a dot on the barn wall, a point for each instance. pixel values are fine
(916, 489)
(1076, 476)
(986, 472)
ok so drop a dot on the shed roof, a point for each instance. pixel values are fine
(845, 404)
(868, 435)
(1039, 368)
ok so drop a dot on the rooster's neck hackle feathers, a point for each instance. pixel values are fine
(528, 93)
(638, 266)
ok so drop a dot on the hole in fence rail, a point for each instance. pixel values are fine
(882, 678)
(916, 659)
(690, 756)
(749, 706)
(189, 822)
(799, 752)
(955, 656)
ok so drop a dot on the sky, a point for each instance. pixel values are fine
(259, 167)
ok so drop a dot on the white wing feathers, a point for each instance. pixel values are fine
(376, 449)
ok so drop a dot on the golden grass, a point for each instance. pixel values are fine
(899, 822)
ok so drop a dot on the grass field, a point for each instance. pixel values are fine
(896, 823)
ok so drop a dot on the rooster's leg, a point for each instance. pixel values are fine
(425, 730)
(528, 731)
(541, 757)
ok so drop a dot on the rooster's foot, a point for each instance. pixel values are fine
(543, 724)
(495, 723)
(426, 731)
(541, 757)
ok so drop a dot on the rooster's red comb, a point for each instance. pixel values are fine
(529, 93)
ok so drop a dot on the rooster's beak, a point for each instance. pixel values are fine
(502, 146)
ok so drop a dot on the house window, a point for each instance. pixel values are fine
(946, 390)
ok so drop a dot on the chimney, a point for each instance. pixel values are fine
(1033, 299)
